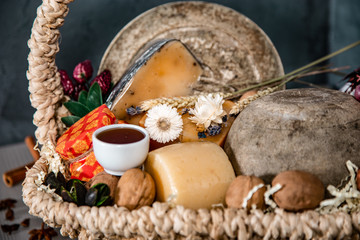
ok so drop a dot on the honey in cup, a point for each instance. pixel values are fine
(120, 147)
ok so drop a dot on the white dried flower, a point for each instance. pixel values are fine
(208, 109)
(163, 123)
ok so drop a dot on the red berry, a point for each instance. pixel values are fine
(104, 80)
(357, 92)
(78, 88)
(66, 83)
(83, 71)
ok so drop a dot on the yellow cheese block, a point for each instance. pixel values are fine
(169, 72)
(194, 174)
(189, 133)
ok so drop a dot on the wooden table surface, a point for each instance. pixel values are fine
(11, 157)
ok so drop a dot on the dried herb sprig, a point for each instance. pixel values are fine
(242, 104)
(291, 75)
(177, 102)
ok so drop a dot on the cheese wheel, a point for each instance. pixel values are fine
(194, 174)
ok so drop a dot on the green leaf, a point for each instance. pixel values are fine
(103, 200)
(94, 98)
(70, 120)
(76, 108)
(66, 195)
(103, 189)
(83, 97)
(103, 192)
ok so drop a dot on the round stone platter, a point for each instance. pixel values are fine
(233, 50)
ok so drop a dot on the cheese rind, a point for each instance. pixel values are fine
(195, 174)
(169, 72)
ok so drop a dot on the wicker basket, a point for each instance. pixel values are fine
(160, 220)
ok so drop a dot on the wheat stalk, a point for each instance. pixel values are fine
(177, 102)
(242, 104)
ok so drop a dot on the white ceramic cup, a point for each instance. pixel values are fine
(116, 158)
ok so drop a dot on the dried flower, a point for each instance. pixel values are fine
(208, 109)
(357, 93)
(132, 111)
(104, 81)
(66, 83)
(354, 79)
(77, 89)
(201, 135)
(163, 123)
(214, 130)
(46, 233)
(83, 71)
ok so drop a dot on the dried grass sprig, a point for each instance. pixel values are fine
(177, 102)
(242, 104)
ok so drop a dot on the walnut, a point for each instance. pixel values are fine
(239, 189)
(299, 190)
(135, 189)
(108, 179)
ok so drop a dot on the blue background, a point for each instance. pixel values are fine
(302, 31)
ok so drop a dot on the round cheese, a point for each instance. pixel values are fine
(314, 130)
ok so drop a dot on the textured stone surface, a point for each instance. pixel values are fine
(312, 130)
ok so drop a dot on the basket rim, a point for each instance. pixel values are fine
(162, 220)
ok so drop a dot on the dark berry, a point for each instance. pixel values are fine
(78, 88)
(104, 81)
(83, 71)
(66, 83)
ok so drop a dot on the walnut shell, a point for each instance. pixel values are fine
(300, 190)
(135, 189)
(240, 188)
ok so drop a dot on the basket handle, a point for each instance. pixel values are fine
(46, 94)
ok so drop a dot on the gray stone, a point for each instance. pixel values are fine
(314, 130)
